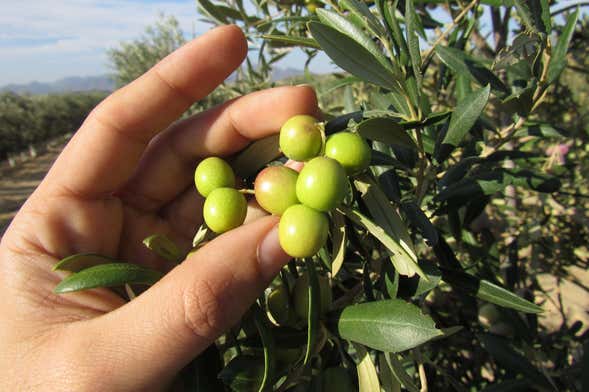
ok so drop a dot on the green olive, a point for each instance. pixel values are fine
(275, 189)
(312, 7)
(302, 231)
(213, 173)
(301, 295)
(278, 303)
(224, 209)
(300, 138)
(322, 184)
(350, 150)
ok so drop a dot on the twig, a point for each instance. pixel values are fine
(430, 52)
(560, 11)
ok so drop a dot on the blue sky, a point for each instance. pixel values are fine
(45, 40)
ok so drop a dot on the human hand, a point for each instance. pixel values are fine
(126, 174)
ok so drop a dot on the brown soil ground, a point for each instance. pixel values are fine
(17, 183)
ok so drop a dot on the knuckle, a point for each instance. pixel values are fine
(203, 314)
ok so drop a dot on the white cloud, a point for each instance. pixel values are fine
(64, 31)
(45, 40)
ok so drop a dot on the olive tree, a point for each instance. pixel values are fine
(427, 280)
(132, 59)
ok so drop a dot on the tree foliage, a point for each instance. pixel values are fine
(27, 120)
(476, 190)
(132, 59)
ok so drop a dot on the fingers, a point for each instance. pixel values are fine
(169, 162)
(164, 328)
(105, 151)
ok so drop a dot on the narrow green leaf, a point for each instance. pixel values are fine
(200, 236)
(385, 130)
(243, 373)
(411, 23)
(558, 57)
(535, 14)
(80, 261)
(418, 218)
(416, 286)
(163, 247)
(495, 180)
(462, 120)
(362, 12)
(367, 376)
(389, 228)
(313, 310)
(268, 348)
(498, 295)
(249, 161)
(539, 130)
(108, 275)
(464, 65)
(391, 325)
(352, 57)
(388, 381)
(488, 291)
(400, 257)
(390, 8)
(292, 40)
(338, 239)
(344, 26)
(430, 119)
(212, 11)
(400, 373)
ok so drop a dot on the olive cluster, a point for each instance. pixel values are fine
(225, 207)
(320, 186)
(302, 199)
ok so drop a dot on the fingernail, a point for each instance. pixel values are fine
(270, 255)
(304, 85)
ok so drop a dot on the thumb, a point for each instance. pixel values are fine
(163, 329)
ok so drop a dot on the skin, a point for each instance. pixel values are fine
(213, 173)
(275, 189)
(302, 231)
(322, 184)
(139, 182)
(224, 209)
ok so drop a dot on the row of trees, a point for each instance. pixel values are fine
(28, 120)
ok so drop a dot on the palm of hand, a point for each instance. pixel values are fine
(113, 185)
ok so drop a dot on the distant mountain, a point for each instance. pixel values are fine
(69, 84)
(284, 73)
(101, 83)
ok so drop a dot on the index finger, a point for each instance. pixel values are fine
(105, 151)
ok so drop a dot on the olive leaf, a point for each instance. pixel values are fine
(163, 247)
(339, 241)
(367, 376)
(268, 348)
(108, 275)
(390, 325)
(312, 310)
(80, 261)
(352, 56)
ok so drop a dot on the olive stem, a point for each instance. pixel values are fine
(247, 191)
(422, 163)
(429, 54)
